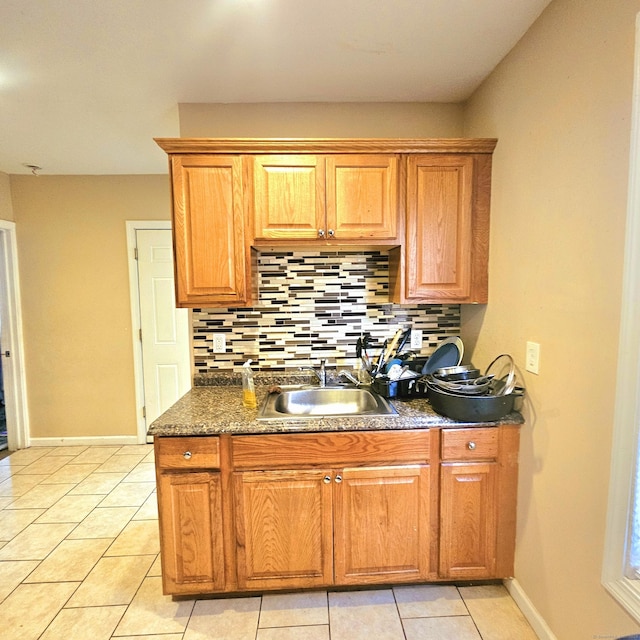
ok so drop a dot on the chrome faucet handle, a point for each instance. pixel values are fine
(349, 376)
(321, 378)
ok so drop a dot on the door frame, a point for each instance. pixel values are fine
(12, 340)
(626, 421)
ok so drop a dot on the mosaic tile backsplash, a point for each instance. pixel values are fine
(313, 306)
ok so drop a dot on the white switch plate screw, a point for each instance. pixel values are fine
(416, 339)
(219, 343)
(533, 357)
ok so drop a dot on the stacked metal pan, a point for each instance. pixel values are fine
(463, 394)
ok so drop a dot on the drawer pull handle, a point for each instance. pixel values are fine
(326, 479)
(338, 479)
(471, 446)
(187, 455)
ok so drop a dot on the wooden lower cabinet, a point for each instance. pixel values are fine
(190, 516)
(295, 511)
(468, 519)
(283, 529)
(308, 528)
(381, 524)
(478, 487)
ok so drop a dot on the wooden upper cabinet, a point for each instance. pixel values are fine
(439, 214)
(362, 197)
(446, 251)
(439, 226)
(425, 200)
(288, 193)
(349, 197)
(209, 226)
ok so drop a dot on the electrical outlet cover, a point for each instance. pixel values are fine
(416, 339)
(532, 362)
(219, 343)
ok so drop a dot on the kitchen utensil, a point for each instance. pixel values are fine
(482, 408)
(448, 354)
(461, 372)
(361, 354)
(476, 386)
(402, 342)
(391, 348)
(380, 362)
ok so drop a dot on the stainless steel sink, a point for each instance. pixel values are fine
(324, 401)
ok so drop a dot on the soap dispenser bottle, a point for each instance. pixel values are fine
(248, 386)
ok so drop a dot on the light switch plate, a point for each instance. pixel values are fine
(532, 363)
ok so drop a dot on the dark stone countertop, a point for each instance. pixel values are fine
(212, 409)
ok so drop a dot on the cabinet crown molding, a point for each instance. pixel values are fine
(326, 145)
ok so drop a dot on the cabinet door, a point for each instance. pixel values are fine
(209, 231)
(362, 197)
(468, 517)
(283, 529)
(439, 240)
(288, 197)
(191, 532)
(382, 524)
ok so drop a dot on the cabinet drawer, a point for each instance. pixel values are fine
(187, 453)
(305, 449)
(469, 444)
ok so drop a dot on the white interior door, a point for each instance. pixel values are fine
(166, 361)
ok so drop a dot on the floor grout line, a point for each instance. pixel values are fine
(138, 487)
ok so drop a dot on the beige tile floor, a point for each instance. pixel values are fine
(79, 560)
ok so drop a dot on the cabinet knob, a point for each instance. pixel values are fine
(338, 479)
(471, 446)
(320, 233)
(326, 479)
(187, 455)
(331, 233)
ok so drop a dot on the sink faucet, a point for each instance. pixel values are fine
(350, 377)
(321, 374)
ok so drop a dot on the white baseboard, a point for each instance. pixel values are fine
(532, 615)
(84, 441)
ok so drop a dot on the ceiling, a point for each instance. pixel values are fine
(85, 86)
